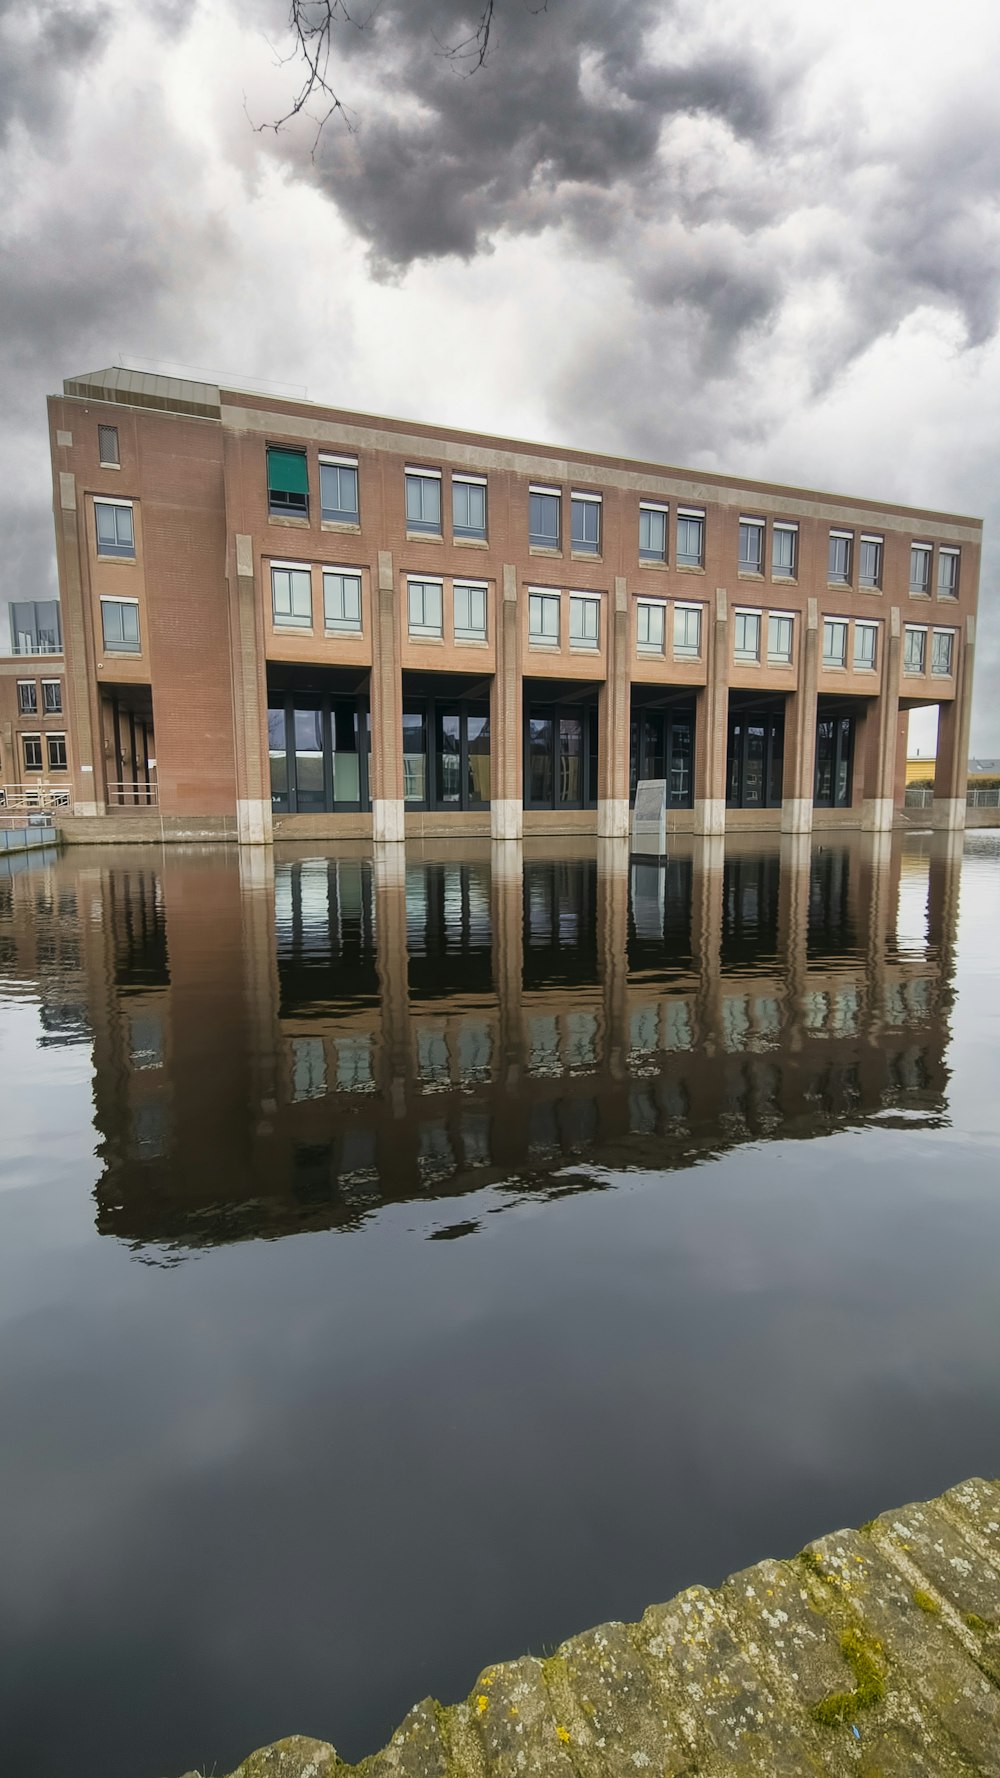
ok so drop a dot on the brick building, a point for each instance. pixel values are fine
(281, 618)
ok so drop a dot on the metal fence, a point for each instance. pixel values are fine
(40, 796)
(133, 795)
(918, 798)
(985, 799)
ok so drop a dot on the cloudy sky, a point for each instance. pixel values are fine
(763, 239)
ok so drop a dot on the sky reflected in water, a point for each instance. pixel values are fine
(404, 1266)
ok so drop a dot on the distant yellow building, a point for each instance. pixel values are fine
(919, 768)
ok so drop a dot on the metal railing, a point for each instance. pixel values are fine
(41, 796)
(987, 797)
(133, 795)
(916, 797)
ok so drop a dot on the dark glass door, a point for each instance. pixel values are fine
(560, 766)
(754, 765)
(662, 747)
(318, 750)
(834, 760)
(446, 754)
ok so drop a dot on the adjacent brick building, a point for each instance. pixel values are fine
(284, 618)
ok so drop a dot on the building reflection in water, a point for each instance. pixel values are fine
(284, 1043)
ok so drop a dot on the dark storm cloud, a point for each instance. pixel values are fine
(42, 47)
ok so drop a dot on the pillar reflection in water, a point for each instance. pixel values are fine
(322, 1035)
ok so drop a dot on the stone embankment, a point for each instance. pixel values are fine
(873, 1652)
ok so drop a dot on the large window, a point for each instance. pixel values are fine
(56, 747)
(585, 523)
(780, 625)
(561, 757)
(120, 625)
(865, 647)
(291, 596)
(754, 758)
(543, 518)
(584, 622)
(870, 567)
(834, 642)
(35, 627)
(341, 600)
(287, 483)
(543, 618)
(468, 506)
(338, 490)
(690, 538)
(784, 551)
(661, 747)
(425, 607)
(652, 532)
(31, 752)
(52, 697)
(839, 559)
(318, 752)
(650, 627)
(942, 649)
(948, 573)
(834, 759)
(746, 636)
(470, 610)
(687, 632)
(751, 546)
(423, 501)
(115, 530)
(446, 754)
(27, 697)
(920, 569)
(914, 649)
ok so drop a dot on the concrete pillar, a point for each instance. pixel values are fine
(253, 786)
(711, 726)
(386, 763)
(82, 694)
(951, 771)
(507, 718)
(613, 722)
(882, 735)
(799, 767)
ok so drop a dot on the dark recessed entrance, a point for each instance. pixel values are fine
(835, 729)
(560, 745)
(318, 738)
(661, 742)
(754, 763)
(446, 741)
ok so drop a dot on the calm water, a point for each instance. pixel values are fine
(399, 1271)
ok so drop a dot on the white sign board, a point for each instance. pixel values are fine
(649, 818)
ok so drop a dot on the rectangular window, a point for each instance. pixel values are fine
(650, 627)
(115, 530)
(870, 570)
(120, 625)
(690, 538)
(56, 745)
(338, 490)
(920, 569)
(942, 644)
(543, 518)
(866, 646)
(52, 697)
(779, 638)
(948, 573)
(107, 447)
(746, 636)
(287, 483)
(468, 506)
(687, 632)
(31, 751)
(341, 600)
(652, 532)
(751, 546)
(585, 523)
(423, 501)
(839, 560)
(470, 610)
(543, 618)
(784, 551)
(914, 649)
(291, 596)
(834, 642)
(27, 697)
(584, 622)
(35, 627)
(424, 607)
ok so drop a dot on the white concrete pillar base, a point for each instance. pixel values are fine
(390, 864)
(506, 818)
(710, 814)
(506, 860)
(877, 814)
(613, 818)
(797, 814)
(948, 813)
(253, 821)
(387, 820)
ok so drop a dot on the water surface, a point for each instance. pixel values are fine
(404, 1268)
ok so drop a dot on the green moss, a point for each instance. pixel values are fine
(926, 1601)
(981, 1626)
(864, 1657)
(810, 1560)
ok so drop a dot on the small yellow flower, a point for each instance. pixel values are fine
(562, 1732)
(481, 1702)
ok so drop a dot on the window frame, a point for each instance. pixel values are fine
(683, 651)
(56, 765)
(909, 670)
(925, 550)
(431, 478)
(833, 578)
(643, 609)
(37, 651)
(539, 540)
(872, 540)
(283, 509)
(115, 461)
(662, 511)
(47, 708)
(340, 515)
(470, 533)
(754, 528)
(468, 632)
(683, 559)
(342, 626)
(775, 659)
(120, 646)
(31, 739)
(117, 551)
(580, 501)
(947, 672)
(544, 598)
(831, 663)
(578, 604)
(27, 708)
(423, 630)
(291, 620)
(863, 625)
(741, 614)
(785, 528)
(950, 553)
